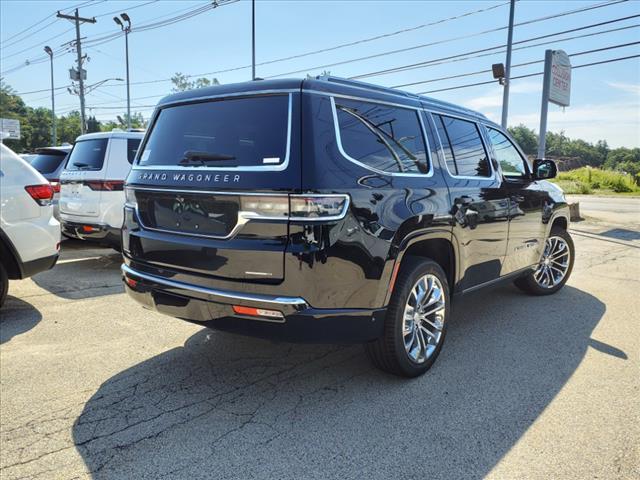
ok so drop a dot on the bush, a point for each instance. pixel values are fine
(584, 180)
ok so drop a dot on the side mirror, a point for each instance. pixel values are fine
(544, 169)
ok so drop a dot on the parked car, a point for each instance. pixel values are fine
(91, 183)
(49, 161)
(27, 157)
(29, 235)
(328, 210)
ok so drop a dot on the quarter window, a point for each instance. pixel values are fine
(382, 137)
(511, 162)
(132, 148)
(463, 149)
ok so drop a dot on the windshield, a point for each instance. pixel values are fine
(87, 154)
(47, 162)
(241, 132)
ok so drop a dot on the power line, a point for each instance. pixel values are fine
(479, 72)
(112, 36)
(5, 45)
(602, 62)
(555, 41)
(439, 42)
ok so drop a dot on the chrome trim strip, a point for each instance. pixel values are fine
(444, 158)
(250, 168)
(298, 303)
(206, 192)
(336, 127)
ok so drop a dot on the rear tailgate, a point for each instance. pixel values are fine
(81, 180)
(210, 187)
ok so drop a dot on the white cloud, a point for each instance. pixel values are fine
(626, 87)
(618, 123)
(494, 99)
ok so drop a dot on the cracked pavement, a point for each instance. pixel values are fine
(94, 386)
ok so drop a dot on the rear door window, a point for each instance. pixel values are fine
(240, 132)
(463, 149)
(47, 163)
(88, 154)
(132, 148)
(382, 137)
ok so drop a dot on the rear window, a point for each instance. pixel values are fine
(88, 154)
(240, 132)
(47, 162)
(381, 136)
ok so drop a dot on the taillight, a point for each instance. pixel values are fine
(55, 184)
(265, 206)
(42, 194)
(130, 198)
(295, 207)
(318, 207)
(105, 185)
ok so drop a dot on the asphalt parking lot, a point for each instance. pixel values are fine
(93, 386)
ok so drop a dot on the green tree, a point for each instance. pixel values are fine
(93, 125)
(181, 82)
(526, 138)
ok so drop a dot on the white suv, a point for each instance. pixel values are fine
(91, 186)
(29, 235)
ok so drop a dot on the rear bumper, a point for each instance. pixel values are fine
(214, 308)
(32, 267)
(94, 232)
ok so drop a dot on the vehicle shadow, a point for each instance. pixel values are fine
(225, 406)
(17, 317)
(93, 273)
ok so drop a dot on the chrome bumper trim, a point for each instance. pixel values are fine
(285, 304)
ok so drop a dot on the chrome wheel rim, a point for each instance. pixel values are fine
(423, 318)
(554, 263)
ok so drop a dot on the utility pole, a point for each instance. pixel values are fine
(544, 108)
(54, 139)
(253, 39)
(126, 31)
(507, 79)
(78, 19)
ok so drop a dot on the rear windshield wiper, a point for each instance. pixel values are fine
(81, 165)
(200, 158)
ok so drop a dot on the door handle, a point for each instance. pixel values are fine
(517, 198)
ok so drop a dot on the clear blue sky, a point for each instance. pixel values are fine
(605, 98)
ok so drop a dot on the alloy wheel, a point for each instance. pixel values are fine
(554, 263)
(423, 319)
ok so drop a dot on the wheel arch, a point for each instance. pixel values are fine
(10, 257)
(437, 245)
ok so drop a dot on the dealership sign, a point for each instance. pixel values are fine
(9, 129)
(560, 81)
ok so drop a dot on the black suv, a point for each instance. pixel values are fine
(327, 210)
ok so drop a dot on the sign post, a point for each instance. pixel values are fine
(556, 88)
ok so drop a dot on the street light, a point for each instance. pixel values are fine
(53, 101)
(126, 29)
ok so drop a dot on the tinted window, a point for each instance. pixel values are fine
(226, 133)
(132, 148)
(463, 149)
(511, 163)
(87, 154)
(382, 137)
(47, 162)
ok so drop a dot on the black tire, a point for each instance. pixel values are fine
(388, 352)
(4, 284)
(529, 284)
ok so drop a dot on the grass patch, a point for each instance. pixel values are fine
(593, 180)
